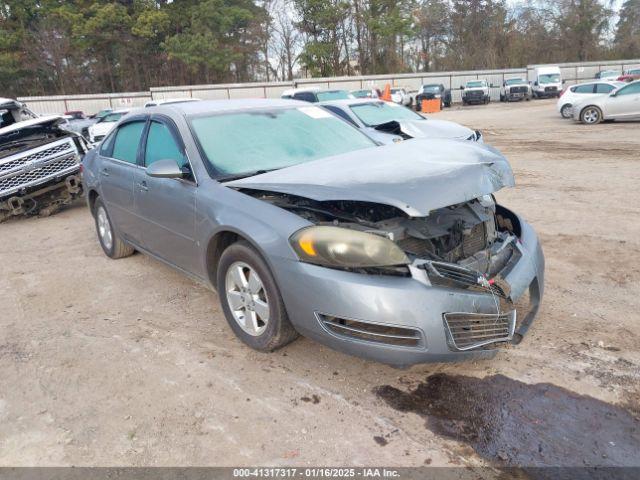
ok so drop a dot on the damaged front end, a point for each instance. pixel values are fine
(472, 246)
(39, 163)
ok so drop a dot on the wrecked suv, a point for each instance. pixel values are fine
(397, 253)
(39, 161)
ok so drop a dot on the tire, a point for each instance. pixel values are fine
(566, 111)
(261, 320)
(464, 102)
(591, 115)
(502, 98)
(112, 245)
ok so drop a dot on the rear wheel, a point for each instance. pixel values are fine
(566, 111)
(591, 115)
(251, 300)
(111, 243)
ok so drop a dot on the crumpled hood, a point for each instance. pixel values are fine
(416, 176)
(431, 128)
(50, 120)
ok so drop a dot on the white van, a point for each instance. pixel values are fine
(547, 82)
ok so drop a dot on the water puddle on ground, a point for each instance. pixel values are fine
(510, 423)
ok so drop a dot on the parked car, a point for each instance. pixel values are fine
(169, 101)
(39, 161)
(547, 82)
(99, 130)
(401, 96)
(432, 91)
(630, 75)
(396, 253)
(475, 91)
(577, 93)
(76, 114)
(621, 104)
(102, 113)
(366, 93)
(387, 122)
(608, 75)
(515, 89)
(315, 94)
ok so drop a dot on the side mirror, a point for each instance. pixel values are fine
(165, 169)
(564, 81)
(461, 87)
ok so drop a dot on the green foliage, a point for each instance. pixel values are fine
(83, 46)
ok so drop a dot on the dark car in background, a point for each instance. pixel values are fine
(431, 91)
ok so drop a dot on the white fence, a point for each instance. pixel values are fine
(571, 73)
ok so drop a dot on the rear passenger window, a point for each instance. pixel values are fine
(584, 89)
(305, 97)
(161, 145)
(127, 140)
(604, 88)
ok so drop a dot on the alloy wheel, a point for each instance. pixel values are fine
(247, 298)
(591, 115)
(566, 111)
(104, 228)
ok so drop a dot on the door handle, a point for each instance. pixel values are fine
(105, 172)
(143, 186)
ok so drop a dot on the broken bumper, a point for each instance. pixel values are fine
(403, 320)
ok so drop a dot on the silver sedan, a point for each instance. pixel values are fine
(304, 225)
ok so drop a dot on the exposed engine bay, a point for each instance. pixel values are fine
(478, 236)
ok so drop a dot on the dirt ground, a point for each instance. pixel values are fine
(129, 363)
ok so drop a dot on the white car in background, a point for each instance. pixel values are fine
(608, 75)
(99, 130)
(621, 104)
(582, 91)
(401, 96)
(387, 123)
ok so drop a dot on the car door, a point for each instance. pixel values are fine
(625, 104)
(167, 206)
(118, 165)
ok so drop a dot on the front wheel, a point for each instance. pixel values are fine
(566, 111)
(111, 243)
(591, 115)
(251, 300)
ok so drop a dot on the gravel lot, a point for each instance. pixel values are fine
(128, 363)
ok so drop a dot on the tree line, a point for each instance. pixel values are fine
(90, 46)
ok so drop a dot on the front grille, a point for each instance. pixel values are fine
(472, 330)
(550, 89)
(372, 332)
(36, 166)
(54, 151)
(476, 94)
(522, 89)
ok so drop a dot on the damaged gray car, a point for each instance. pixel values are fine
(304, 225)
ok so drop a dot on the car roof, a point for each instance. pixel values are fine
(212, 106)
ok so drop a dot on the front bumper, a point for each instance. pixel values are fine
(313, 293)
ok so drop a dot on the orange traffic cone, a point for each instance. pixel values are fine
(386, 95)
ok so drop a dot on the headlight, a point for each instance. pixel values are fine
(342, 247)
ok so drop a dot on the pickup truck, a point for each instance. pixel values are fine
(475, 91)
(39, 161)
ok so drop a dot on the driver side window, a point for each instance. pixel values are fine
(162, 145)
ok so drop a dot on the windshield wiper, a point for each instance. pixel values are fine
(238, 176)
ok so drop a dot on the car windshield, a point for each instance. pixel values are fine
(549, 78)
(377, 113)
(102, 113)
(635, 71)
(112, 117)
(475, 84)
(431, 88)
(241, 143)
(514, 81)
(333, 95)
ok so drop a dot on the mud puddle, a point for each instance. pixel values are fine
(514, 424)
